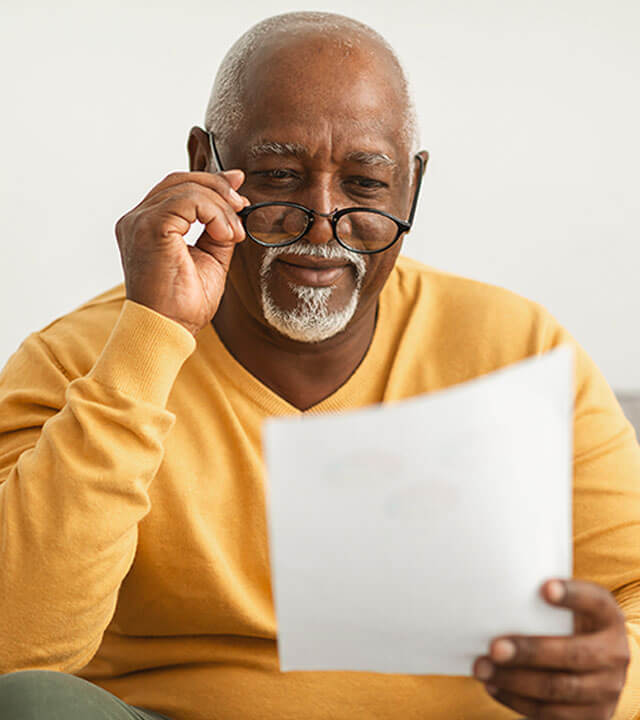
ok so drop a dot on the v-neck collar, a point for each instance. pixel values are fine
(358, 390)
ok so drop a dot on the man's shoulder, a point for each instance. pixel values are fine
(444, 329)
(77, 337)
(445, 292)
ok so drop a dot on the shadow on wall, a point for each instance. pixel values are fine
(630, 403)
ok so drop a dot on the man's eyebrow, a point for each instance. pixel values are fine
(276, 148)
(371, 158)
(297, 150)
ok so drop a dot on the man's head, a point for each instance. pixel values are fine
(315, 109)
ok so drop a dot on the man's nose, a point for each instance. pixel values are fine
(319, 200)
(320, 231)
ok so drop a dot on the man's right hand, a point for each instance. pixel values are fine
(161, 271)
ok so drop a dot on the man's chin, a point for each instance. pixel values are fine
(312, 318)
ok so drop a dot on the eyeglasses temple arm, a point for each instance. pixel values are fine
(414, 204)
(214, 152)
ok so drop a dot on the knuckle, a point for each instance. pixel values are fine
(578, 655)
(562, 686)
(142, 223)
(190, 190)
(173, 176)
(232, 215)
(603, 602)
(124, 227)
(222, 185)
(525, 651)
(621, 656)
(197, 192)
(221, 178)
(617, 650)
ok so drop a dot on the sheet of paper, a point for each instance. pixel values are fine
(404, 537)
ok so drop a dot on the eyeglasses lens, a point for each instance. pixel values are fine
(366, 231)
(276, 224)
(361, 230)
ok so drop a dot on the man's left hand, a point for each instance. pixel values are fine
(564, 678)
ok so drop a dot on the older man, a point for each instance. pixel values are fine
(132, 514)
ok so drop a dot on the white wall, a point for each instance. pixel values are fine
(530, 111)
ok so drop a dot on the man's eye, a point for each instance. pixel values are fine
(367, 183)
(277, 174)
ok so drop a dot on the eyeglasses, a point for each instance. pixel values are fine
(359, 229)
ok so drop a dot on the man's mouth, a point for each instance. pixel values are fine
(308, 270)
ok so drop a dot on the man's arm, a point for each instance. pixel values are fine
(584, 676)
(606, 514)
(77, 458)
(76, 462)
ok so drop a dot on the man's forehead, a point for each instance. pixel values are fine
(283, 77)
(359, 121)
(305, 96)
(307, 71)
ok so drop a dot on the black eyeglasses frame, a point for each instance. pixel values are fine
(333, 217)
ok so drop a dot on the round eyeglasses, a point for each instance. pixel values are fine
(359, 229)
(362, 230)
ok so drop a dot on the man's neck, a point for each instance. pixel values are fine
(303, 374)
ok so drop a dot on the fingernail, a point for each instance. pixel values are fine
(503, 650)
(234, 195)
(484, 669)
(556, 591)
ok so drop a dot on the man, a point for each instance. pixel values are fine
(132, 514)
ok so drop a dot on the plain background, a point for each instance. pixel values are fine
(530, 110)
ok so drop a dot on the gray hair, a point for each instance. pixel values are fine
(225, 109)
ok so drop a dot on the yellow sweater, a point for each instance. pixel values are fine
(132, 511)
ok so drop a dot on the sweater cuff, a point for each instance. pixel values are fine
(144, 353)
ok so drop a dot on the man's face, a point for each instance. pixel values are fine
(324, 130)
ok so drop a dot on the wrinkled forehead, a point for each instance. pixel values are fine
(309, 80)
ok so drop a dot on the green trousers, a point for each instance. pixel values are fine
(48, 695)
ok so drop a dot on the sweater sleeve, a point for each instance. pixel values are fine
(76, 461)
(606, 504)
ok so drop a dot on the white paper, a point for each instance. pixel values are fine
(404, 537)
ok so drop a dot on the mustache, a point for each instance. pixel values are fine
(326, 251)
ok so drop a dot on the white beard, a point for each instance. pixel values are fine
(310, 320)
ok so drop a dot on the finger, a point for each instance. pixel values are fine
(186, 190)
(205, 249)
(537, 710)
(225, 183)
(235, 177)
(585, 598)
(231, 217)
(555, 686)
(578, 653)
(176, 213)
(211, 238)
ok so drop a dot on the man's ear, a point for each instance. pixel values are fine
(198, 148)
(425, 159)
